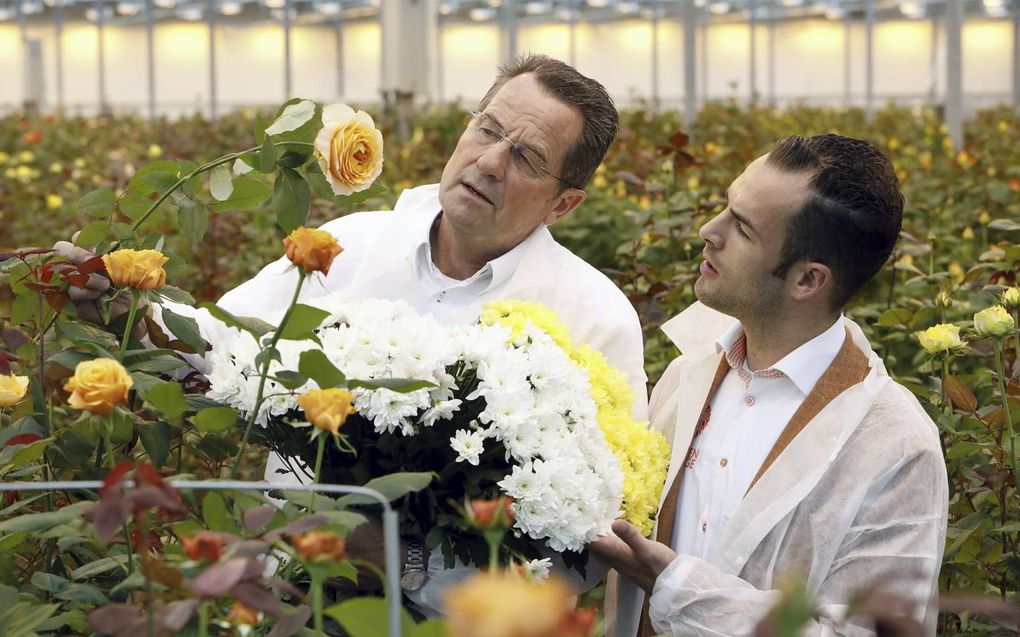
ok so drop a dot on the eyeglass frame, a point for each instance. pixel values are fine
(515, 147)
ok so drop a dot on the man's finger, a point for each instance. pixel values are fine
(83, 294)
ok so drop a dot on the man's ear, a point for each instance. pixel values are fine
(564, 203)
(810, 280)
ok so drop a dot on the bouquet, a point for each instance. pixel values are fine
(508, 406)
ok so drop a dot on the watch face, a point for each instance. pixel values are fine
(412, 580)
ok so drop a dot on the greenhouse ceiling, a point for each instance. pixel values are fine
(481, 11)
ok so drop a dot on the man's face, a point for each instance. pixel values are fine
(483, 192)
(744, 243)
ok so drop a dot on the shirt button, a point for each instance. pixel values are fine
(749, 400)
(704, 526)
(723, 462)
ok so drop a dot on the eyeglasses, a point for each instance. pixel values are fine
(486, 131)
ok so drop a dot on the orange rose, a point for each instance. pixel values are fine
(203, 546)
(98, 385)
(349, 149)
(327, 409)
(312, 250)
(318, 546)
(142, 269)
(492, 514)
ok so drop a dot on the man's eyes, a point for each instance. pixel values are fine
(740, 230)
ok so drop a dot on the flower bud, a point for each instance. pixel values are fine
(142, 269)
(241, 615)
(203, 545)
(327, 409)
(940, 338)
(993, 321)
(98, 385)
(1011, 298)
(492, 514)
(319, 546)
(12, 389)
(943, 300)
(312, 250)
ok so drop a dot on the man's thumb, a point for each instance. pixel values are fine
(627, 532)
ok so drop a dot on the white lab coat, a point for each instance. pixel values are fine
(857, 499)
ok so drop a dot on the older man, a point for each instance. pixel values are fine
(479, 235)
(795, 455)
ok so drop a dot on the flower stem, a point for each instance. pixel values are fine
(318, 467)
(201, 169)
(203, 619)
(1001, 377)
(317, 601)
(130, 322)
(263, 373)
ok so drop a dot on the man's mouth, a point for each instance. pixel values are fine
(477, 193)
(708, 268)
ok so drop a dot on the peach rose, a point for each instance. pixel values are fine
(98, 385)
(505, 605)
(319, 546)
(142, 269)
(349, 148)
(12, 389)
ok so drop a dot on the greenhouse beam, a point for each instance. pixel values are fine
(752, 80)
(211, 10)
(288, 83)
(58, 41)
(1016, 55)
(869, 58)
(954, 71)
(690, 17)
(150, 51)
(101, 54)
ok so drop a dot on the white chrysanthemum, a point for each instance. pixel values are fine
(538, 570)
(468, 445)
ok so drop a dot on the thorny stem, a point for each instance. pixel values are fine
(264, 372)
(1001, 377)
(318, 468)
(130, 322)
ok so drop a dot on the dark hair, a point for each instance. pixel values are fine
(562, 81)
(853, 213)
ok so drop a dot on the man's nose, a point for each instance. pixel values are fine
(710, 231)
(494, 159)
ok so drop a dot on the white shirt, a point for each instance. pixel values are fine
(748, 413)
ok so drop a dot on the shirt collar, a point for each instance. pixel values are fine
(804, 365)
(493, 273)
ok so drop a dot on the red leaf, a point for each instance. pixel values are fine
(114, 478)
(22, 439)
(46, 273)
(76, 279)
(258, 517)
(258, 598)
(57, 300)
(5, 365)
(112, 618)
(95, 264)
(219, 578)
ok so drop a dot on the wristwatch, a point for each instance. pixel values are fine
(413, 576)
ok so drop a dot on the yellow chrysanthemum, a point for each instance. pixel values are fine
(642, 453)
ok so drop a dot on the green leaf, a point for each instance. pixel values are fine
(37, 522)
(292, 159)
(267, 156)
(216, 515)
(302, 321)
(221, 184)
(49, 582)
(100, 566)
(215, 419)
(896, 317)
(367, 617)
(1004, 224)
(83, 594)
(194, 222)
(25, 306)
(292, 117)
(253, 326)
(176, 295)
(315, 365)
(923, 319)
(12, 541)
(29, 453)
(392, 486)
(184, 328)
(400, 385)
(93, 233)
(289, 379)
(168, 399)
(98, 204)
(428, 628)
(133, 206)
(155, 438)
(248, 193)
(291, 199)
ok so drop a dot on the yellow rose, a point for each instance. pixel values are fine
(312, 250)
(155, 151)
(349, 149)
(4, 157)
(26, 157)
(506, 605)
(940, 338)
(54, 202)
(12, 389)
(327, 409)
(56, 168)
(993, 321)
(142, 269)
(98, 385)
(968, 234)
(1011, 298)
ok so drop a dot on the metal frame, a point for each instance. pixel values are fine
(391, 540)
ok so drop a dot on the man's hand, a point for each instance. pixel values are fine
(640, 559)
(86, 298)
